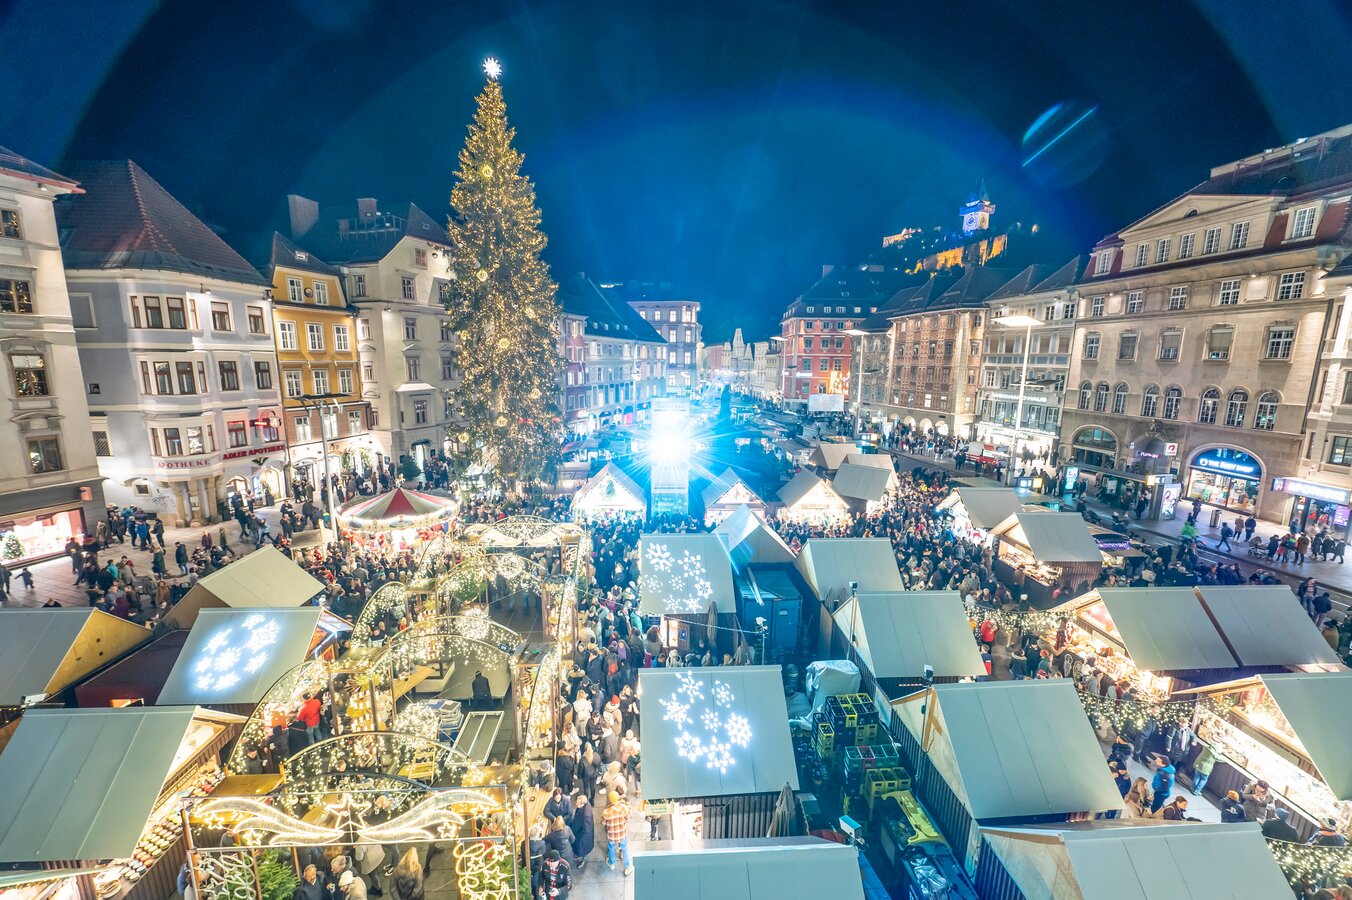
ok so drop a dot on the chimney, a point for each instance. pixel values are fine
(827, 269)
(304, 214)
(366, 207)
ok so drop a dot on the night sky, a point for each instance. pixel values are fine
(730, 147)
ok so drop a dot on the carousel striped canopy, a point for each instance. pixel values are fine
(399, 508)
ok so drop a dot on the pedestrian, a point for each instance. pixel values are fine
(27, 578)
(1163, 784)
(560, 839)
(1279, 828)
(616, 822)
(1201, 768)
(1226, 533)
(1232, 810)
(1328, 834)
(181, 557)
(555, 877)
(584, 830)
(1302, 547)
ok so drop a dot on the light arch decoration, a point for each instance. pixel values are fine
(415, 757)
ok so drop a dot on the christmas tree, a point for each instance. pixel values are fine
(12, 547)
(502, 303)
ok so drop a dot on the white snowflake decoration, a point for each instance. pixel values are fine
(710, 720)
(722, 693)
(739, 730)
(689, 746)
(722, 733)
(691, 687)
(676, 711)
(659, 557)
(718, 755)
(245, 647)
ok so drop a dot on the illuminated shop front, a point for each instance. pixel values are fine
(1319, 507)
(40, 534)
(1225, 477)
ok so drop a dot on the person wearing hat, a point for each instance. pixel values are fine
(1232, 810)
(1279, 828)
(1258, 802)
(352, 887)
(616, 822)
(1328, 834)
(556, 878)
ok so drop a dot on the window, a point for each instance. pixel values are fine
(229, 370)
(1206, 409)
(263, 375)
(359, 285)
(1302, 226)
(1239, 235)
(154, 312)
(1126, 345)
(1162, 249)
(1120, 399)
(220, 316)
(413, 365)
(44, 455)
(809, 326)
(448, 369)
(30, 375)
(1218, 341)
(363, 329)
(1178, 297)
(1211, 240)
(187, 382)
(304, 432)
(286, 335)
(1101, 397)
(419, 412)
(1185, 245)
(1236, 407)
(410, 329)
(1091, 345)
(82, 311)
(177, 319)
(807, 343)
(101, 445)
(1227, 294)
(1173, 398)
(340, 339)
(446, 333)
(291, 377)
(1170, 342)
(420, 257)
(11, 224)
(295, 291)
(314, 335)
(1150, 402)
(1103, 263)
(16, 296)
(406, 287)
(1340, 452)
(173, 442)
(1142, 254)
(354, 421)
(257, 325)
(1280, 339)
(1265, 413)
(1095, 307)
(1068, 311)
(321, 293)
(344, 381)
(320, 377)
(236, 434)
(823, 364)
(1291, 285)
(164, 378)
(1135, 302)
(368, 372)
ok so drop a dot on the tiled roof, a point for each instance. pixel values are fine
(14, 164)
(372, 238)
(973, 288)
(1294, 169)
(1063, 277)
(606, 316)
(126, 220)
(1021, 282)
(288, 255)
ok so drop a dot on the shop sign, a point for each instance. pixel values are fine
(193, 463)
(252, 451)
(1027, 397)
(1171, 449)
(1225, 461)
(1313, 491)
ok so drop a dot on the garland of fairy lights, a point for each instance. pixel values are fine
(383, 752)
(1135, 712)
(1304, 864)
(1033, 621)
(539, 712)
(391, 597)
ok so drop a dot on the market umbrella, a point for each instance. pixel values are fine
(742, 655)
(785, 821)
(711, 629)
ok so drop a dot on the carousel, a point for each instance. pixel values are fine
(398, 520)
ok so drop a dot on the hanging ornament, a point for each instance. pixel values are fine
(482, 275)
(486, 170)
(535, 393)
(501, 421)
(464, 437)
(504, 343)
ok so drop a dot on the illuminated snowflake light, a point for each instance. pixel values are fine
(659, 557)
(245, 647)
(492, 68)
(720, 736)
(739, 730)
(689, 746)
(676, 711)
(710, 720)
(722, 693)
(691, 687)
(718, 755)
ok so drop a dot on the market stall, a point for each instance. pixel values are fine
(610, 492)
(716, 742)
(750, 869)
(1039, 552)
(684, 574)
(864, 488)
(397, 520)
(132, 768)
(1266, 627)
(835, 567)
(976, 510)
(1000, 752)
(829, 455)
(45, 651)
(725, 495)
(1125, 860)
(878, 461)
(898, 635)
(264, 579)
(135, 680)
(810, 498)
(749, 540)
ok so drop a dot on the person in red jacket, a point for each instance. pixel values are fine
(309, 714)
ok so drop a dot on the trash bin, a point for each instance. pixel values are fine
(1215, 518)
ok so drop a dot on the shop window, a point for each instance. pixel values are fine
(1236, 408)
(1150, 402)
(30, 375)
(1207, 407)
(1265, 412)
(1340, 451)
(1173, 399)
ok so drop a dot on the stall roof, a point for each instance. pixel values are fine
(727, 483)
(715, 732)
(613, 474)
(875, 460)
(1020, 748)
(749, 869)
(683, 574)
(1165, 629)
(987, 507)
(265, 578)
(234, 655)
(855, 482)
(1105, 860)
(1266, 625)
(43, 651)
(828, 565)
(830, 454)
(1055, 537)
(140, 676)
(897, 634)
(80, 784)
(749, 540)
(799, 487)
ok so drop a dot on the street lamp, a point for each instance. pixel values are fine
(1027, 323)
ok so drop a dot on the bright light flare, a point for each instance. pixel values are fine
(492, 68)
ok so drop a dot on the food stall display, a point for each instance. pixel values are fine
(1050, 550)
(975, 511)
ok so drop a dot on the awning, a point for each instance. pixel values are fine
(717, 731)
(1014, 748)
(985, 506)
(867, 483)
(1055, 537)
(727, 489)
(1316, 706)
(80, 784)
(610, 489)
(1127, 860)
(411, 387)
(1267, 626)
(829, 565)
(830, 454)
(43, 651)
(1165, 629)
(749, 540)
(265, 578)
(683, 574)
(749, 869)
(898, 634)
(234, 655)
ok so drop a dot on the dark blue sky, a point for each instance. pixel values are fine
(730, 147)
